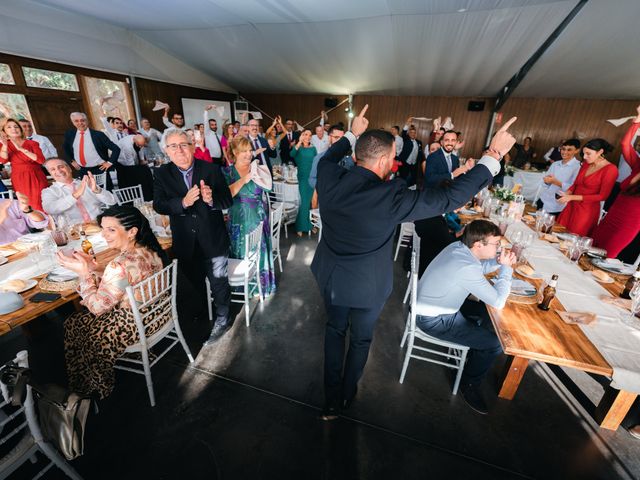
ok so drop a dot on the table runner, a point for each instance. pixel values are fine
(577, 291)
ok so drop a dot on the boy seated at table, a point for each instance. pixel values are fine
(17, 217)
(457, 272)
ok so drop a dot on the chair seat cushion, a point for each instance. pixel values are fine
(237, 269)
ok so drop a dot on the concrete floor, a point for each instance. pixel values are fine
(247, 409)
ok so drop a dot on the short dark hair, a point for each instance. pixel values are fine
(117, 118)
(337, 126)
(572, 142)
(176, 113)
(599, 144)
(451, 131)
(479, 231)
(372, 144)
(396, 127)
(110, 119)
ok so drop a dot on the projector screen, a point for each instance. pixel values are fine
(193, 108)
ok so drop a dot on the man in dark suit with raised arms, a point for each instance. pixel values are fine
(193, 193)
(353, 263)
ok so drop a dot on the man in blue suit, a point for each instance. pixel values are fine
(442, 164)
(258, 143)
(353, 262)
(89, 150)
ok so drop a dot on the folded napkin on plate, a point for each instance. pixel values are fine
(581, 318)
(617, 301)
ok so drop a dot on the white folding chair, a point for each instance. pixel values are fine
(316, 221)
(8, 195)
(448, 354)
(275, 217)
(290, 212)
(24, 421)
(244, 274)
(416, 249)
(129, 195)
(406, 232)
(101, 179)
(155, 299)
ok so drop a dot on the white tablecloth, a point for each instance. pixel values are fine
(577, 291)
(291, 192)
(530, 182)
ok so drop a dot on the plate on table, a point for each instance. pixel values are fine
(520, 288)
(466, 211)
(533, 276)
(61, 274)
(17, 286)
(609, 279)
(613, 266)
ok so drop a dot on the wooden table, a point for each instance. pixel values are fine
(528, 333)
(32, 310)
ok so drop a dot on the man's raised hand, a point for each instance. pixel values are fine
(360, 123)
(502, 141)
(190, 198)
(207, 194)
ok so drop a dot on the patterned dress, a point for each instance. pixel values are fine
(95, 339)
(304, 161)
(248, 210)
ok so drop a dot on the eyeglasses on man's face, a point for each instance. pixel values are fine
(176, 146)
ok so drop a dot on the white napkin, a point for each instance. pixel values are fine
(160, 106)
(422, 119)
(220, 111)
(448, 124)
(616, 122)
(61, 274)
(260, 174)
(256, 115)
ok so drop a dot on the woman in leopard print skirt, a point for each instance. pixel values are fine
(96, 338)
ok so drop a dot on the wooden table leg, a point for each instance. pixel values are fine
(613, 407)
(514, 371)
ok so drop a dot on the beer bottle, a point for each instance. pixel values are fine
(86, 245)
(548, 293)
(626, 293)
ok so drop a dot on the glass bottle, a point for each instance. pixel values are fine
(549, 293)
(626, 292)
(87, 246)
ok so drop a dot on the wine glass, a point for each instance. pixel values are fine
(632, 319)
(585, 243)
(549, 221)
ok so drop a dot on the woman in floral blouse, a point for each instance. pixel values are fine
(96, 338)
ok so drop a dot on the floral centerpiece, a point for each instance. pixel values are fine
(505, 194)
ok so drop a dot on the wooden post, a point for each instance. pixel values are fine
(613, 407)
(514, 371)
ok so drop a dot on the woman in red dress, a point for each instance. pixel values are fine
(593, 185)
(622, 223)
(26, 162)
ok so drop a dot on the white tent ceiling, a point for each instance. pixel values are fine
(397, 47)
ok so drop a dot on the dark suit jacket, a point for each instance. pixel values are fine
(199, 225)
(100, 141)
(360, 213)
(407, 146)
(268, 153)
(437, 170)
(285, 148)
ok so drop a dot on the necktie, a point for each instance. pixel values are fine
(189, 178)
(83, 210)
(256, 146)
(83, 160)
(448, 157)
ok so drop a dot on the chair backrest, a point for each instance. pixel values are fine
(129, 195)
(407, 229)
(252, 243)
(277, 193)
(154, 297)
(101, 179)
(275, 219)
(9, 195)
(415, 266)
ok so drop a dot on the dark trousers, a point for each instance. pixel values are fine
(475, 331)
(190, 293)
(612, 196)
(540, 205)
(341, 375)
(96, 171)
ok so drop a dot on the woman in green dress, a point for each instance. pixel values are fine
(248, 210)
(303, 154)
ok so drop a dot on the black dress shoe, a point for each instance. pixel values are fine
(329, 413)
(473, 398)
(218, 331)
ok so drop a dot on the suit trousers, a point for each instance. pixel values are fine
(341, 375)
(190, 293)
(473, 329)
(96, 171)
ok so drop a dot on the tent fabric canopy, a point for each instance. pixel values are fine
(392, 47)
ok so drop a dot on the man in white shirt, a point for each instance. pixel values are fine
(48, 150)
(152, 135)
(560, 177)
(395, 131)
(320, 139)
(80, 201)
(176, 123)
(211, 137)
(457, 272)
(114, 128)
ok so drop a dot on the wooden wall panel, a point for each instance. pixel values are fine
(151, 90)
(549, 120)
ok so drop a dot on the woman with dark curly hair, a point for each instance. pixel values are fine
(96, 338)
